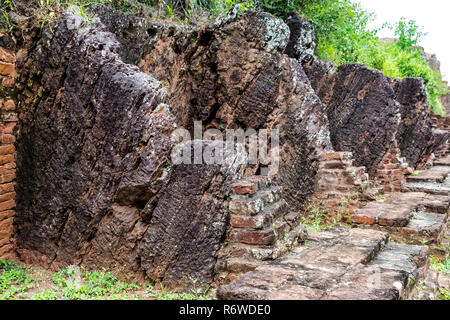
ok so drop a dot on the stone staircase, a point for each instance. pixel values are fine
(435, 180)
(336, 264)
(261, 227)
(412, 217)
(362, 262)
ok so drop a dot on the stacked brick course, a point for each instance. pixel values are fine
(261, 227)
(8, 121)
(338, 178)
(391, 172)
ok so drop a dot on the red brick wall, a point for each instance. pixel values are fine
(8, 120)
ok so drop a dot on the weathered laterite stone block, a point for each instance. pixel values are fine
(246, 206)
(336, 156)
(9, 149)
(7, 139)
(9, 105)
(7, 205)
(255, 222)
(244, 187)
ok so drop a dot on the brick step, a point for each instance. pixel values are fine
(422, 227)
(430, 187)
(239, 266)
(266, 236)
(426, 226)
(435, 203)
(440, 168)
(336, 164)
(248, 206)
(428, 176)
(340, 263)
(256, 203)
(245, 257)
(396, 209)
(271, 194)
(426, 288)
(250, 185)
(336, 156)
(262, 219)
(442, 162)
(411, 217)
(351, 171)
(382, 214)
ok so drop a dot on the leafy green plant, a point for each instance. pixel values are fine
(408, 33)
(90, 285)
(444, 294)
(169, 12)
(316, 220)
(196, 293)
(46, 294)
(439, 265)
(15, 280)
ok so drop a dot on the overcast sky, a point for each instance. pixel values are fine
(432, 15)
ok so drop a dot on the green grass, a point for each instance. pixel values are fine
(164, 294)
(315, 220)
(443, 294)
(440, 265)
(74, 283)
(15, 280)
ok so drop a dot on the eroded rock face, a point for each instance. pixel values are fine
(94, 131)
(445, 99)
(302, 41)
(189, 220)
(414, 135)
(370, 114)
(361, 109)
(95, 185)
(233, 74)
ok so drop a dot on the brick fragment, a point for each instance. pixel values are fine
(6, 69)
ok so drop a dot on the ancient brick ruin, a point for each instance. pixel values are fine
(87, 113)
(7, 151)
